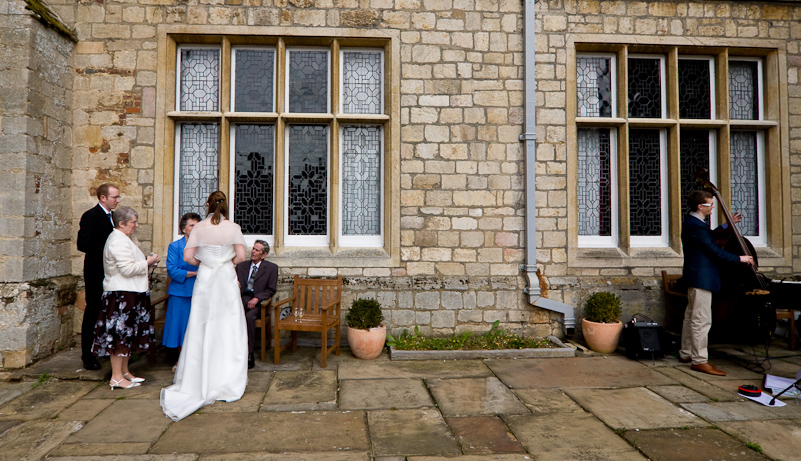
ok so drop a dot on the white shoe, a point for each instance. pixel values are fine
(133, 378)
(115, 383)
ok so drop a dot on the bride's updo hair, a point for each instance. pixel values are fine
(218, 206)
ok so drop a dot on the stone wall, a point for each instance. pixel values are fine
(35, 197)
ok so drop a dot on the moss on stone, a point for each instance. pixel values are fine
(46, 16)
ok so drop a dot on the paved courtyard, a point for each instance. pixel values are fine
(582, 408)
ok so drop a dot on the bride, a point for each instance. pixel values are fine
(213, 362)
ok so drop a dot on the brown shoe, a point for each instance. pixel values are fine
(707, 368)
(687, 360)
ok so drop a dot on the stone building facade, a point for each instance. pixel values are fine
(450, 196)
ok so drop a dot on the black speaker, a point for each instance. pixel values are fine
(642, 340)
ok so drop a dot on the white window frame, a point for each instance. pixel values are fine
(613, 66)
(662, 84)
(342, 52)
(641, 241)
(234, 49)
(288, 52)
(613, 240)
(178, 73)
(306, 240)
(712, 88)
(364, 241)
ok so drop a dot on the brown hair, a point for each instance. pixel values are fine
(103, 189)
(218, 206)
(697, 197)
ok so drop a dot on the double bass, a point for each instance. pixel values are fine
(741, 312)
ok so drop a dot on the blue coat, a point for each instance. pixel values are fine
(702, 256)
(177, 269)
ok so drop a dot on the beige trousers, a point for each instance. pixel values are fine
(697, 322)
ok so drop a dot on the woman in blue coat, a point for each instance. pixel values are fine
(183, 281)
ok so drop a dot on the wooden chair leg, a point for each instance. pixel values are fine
(337, 338)
(325, 347)
(294, 335)
(263, 344)
(277, 346)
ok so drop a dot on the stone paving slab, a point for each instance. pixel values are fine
(6, 425)
(698, 444)
(605, 371)
(783, 368)
(485, 457)
(10, 391)
(272, 432)
(67, 364)
(155, 380)
(484, 435)
(578, 436)
(368, 369)
(633, 408)
(32, 440)
(475, 396)
(170, 457)
(547, 401)
(125, 421)
(102, 449)
(301, 390)
(383, 394)
(679, 394)
(779, 439)
(84, 410)
(327, 456)
(742, 411)
(258, 382)
(410, 432)
(733, 372)
(46, 399)
(700, 386)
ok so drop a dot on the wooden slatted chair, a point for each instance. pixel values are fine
(321, 299)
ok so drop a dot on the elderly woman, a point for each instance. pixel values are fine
(124, 324)
(182, 275)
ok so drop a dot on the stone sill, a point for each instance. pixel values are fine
(542, 353)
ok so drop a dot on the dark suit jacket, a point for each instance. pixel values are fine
(702, 256)
(263, 285)
(95, 229)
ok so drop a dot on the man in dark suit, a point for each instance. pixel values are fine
(702, 258)
(257, 281)
(96, 225)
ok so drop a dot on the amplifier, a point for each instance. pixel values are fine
(642, 339)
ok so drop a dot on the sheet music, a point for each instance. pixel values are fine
(776, 384)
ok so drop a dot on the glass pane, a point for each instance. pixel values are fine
(594, 86)
(645, 178)
(694, 157)
(197, 172)
(361, 180)
(307, 203)
(253, 193)
(694, 89)
(594, 182)
(255, 73)
(308, 81)
(200, 79)
(361, 84)
(743, 90)
(744, 180)
(645, 88)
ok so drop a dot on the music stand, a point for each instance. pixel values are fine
(795, 384)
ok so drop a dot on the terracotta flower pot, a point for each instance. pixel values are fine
(601, 337)
(367, 344)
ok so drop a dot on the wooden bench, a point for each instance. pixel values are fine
(319, 301)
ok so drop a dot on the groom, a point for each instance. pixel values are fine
(257, 281)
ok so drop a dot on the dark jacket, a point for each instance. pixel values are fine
(702, 256)
(263, 285)
(95, 229)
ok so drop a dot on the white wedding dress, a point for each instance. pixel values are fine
(213, 363)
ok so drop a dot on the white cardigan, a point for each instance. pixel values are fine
(124, 264)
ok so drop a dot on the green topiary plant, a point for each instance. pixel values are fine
(602, 307)
(364, 314)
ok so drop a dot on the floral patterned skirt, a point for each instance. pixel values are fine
(124, 324)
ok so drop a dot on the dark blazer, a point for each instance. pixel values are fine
(702, 256)
(95, 229)
(263, 285)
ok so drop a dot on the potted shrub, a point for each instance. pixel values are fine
(366, 332)
(601, 325)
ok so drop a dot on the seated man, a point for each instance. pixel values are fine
(257, 281)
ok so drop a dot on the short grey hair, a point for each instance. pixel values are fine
(123, 214)
(264, 244)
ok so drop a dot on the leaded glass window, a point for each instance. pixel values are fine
(695, 89)
(595, 203)
(200, 79)
(696, 152)
(308, 81)
(594, 86)
(645, 88)
(254, 178)
(197, 172)
(645, 178)
(362, 82)
(361, 180)
(254, 80)
(744, 90)
(307, 178)
(745, 180)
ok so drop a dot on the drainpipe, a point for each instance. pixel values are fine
(529, 136)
